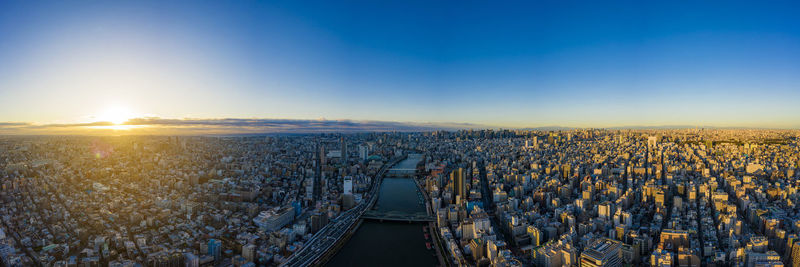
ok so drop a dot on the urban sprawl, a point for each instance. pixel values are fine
(586, 197)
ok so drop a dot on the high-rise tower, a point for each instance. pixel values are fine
(344, 152)
(457, 176)
(318, 171)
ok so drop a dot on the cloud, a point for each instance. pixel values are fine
(13, 124)
(68, 125)
(156, 125)
(298, 126)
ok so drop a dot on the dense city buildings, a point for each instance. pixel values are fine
(588, 197)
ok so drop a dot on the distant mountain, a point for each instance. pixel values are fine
(659, 127)
(549, 128)
(633, 127)
(668, 127)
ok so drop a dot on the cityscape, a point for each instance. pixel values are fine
(443, 133)
(586, 197)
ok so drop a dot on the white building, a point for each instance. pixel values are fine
(274, 219)
(348, 185)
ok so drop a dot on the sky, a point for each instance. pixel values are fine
(64, 64)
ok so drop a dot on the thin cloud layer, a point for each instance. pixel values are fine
(13, 124)
(155, 125)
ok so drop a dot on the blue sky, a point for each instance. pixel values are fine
(521, 64)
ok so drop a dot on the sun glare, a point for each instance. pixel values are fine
(116, 115)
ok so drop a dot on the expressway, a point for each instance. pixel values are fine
(330, 234)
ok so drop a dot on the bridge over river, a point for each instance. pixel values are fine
(397, 216)
(404, 173)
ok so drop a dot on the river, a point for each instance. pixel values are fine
(390, 243)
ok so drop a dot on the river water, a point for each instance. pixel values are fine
(390, 243)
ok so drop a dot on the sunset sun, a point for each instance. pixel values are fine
(116, 115)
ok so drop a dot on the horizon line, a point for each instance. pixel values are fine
(256, 126)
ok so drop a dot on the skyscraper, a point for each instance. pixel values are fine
(344, 153)
(318, 172)
(457, 176)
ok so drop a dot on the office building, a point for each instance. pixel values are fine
(459, 186)
(344, 152)
(215, 249)
(318, 172)
(274, 219)
(602, 252)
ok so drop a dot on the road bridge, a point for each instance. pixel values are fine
(397, 216)
(401, 173)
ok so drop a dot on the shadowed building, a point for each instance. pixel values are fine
(318, 172)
